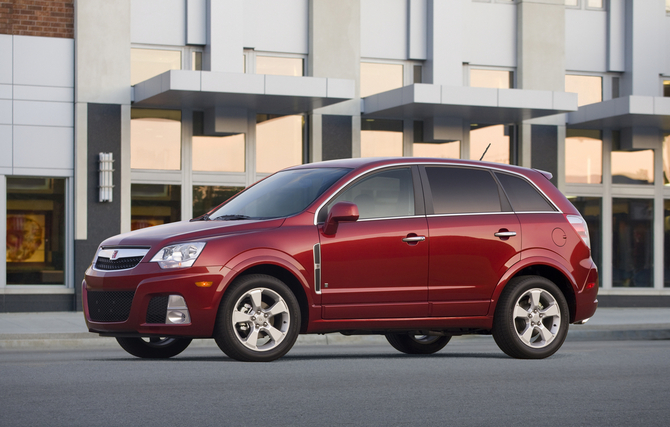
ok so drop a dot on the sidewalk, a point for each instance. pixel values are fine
(67, 329)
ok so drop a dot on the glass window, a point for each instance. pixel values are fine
(382, 195)
(207, 197)
(583, 157)
(279, 142)
(219, 153)
(463, 190)
(666, 160)
(155, 139)
(35, 231)
(572, 3)
(666, 87)
(381, 138)
(589, 89)
(633, 167)
(376, 78)
(595, 4)
(667, 6)
(666, 252)
(497, 136)
(196, 61)
(153, 204)
(632, 252)
(147, 63)
(279, 66)
(591, 210)
(444, 150)
(491, 78)
(522, 195)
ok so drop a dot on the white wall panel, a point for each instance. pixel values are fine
(277, 26)
(585, 40)
(491, 34)
(37, 147)
(40, 93)
(5, 147)
(666, 64)
(5, 111)
(43, 113)
(6, 91)
(158, 22)
(5, 58)
(43, 61)
(384, 29)
(196, 22)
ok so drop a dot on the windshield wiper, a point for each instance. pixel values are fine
(230, 217)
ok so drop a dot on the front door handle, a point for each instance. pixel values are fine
(414, 239)
(505, 234)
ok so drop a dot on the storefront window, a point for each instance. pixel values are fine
(444, 150)
(377, 78)
(589, 89)
(632, 235)
(591, 210)
(218, 153)
(207, 197)
(279, 66)
(666, 252)
(279, 142)
(583, 157)
(497, 136)
(496, 79)
(35, 231)
(155, 139)
(147, 63)
(633, 167)
(666, 160)
(153, 204)
(381, 138)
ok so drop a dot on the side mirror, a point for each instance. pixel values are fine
(340, 212)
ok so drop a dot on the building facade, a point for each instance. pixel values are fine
(122, 114)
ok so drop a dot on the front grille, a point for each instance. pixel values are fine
(157, 309)
(117, 264)
(112, 306)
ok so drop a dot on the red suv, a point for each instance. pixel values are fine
(418, 250)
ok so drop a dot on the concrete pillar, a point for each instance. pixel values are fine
(225, 36)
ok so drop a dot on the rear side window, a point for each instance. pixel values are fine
(463, 190)
(523, 196)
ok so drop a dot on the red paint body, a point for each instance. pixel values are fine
(371, 280)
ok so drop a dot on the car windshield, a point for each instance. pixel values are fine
(280, 195)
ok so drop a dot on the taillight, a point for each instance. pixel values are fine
(580, 227)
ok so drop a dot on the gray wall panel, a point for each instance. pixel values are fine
(384, 29)
(337, 137)
(585, 40)
(491, 34)
(544, 149)
(158, 22)
(277, 26)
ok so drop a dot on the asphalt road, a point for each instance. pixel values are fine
(470, 382)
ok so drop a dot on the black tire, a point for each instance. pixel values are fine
(267, 319)
(417, 344)
(154, 348)
(531, 319)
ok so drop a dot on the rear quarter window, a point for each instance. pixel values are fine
(463, 190)
(522, 195)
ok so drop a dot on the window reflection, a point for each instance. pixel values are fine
(666, 160)
(152, 204)
(591, 210)
(219, 153)
(666, 252)
(491, 78)
(594, 4)
(279, 66)
(589, 89)
(147, 63)
(155, 139)
(381, 138)
(583, 157)
(279, 142)
(497, 136)
(207, 197)
(666, 87)
(36, 235)
(633, 167)
(377, 78)
(632, 252)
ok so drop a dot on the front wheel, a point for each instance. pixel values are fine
(417, 344)
(258, 320)
(154, 347)
(531, 318)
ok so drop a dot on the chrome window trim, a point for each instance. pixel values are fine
(420, 163)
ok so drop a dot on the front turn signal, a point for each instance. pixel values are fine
(204, 284)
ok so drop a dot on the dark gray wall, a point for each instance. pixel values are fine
(336, 137)
(544, 149)
(104, 219)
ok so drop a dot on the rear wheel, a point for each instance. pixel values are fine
(154, 347)
(417, 344)
(531, 318)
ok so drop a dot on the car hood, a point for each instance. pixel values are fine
(186, 231)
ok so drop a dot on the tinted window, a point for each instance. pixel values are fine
(462, 190)
(383, 194)
(523, 196)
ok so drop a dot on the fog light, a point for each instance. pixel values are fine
(177, 311)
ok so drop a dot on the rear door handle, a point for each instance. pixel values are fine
(505, 234)
(414, 239)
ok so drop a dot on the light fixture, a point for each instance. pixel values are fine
(106, 168)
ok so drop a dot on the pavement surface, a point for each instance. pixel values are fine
(68, 329)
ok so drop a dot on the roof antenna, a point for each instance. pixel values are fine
(487, 149)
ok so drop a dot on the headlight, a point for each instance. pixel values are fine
(178, 256)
